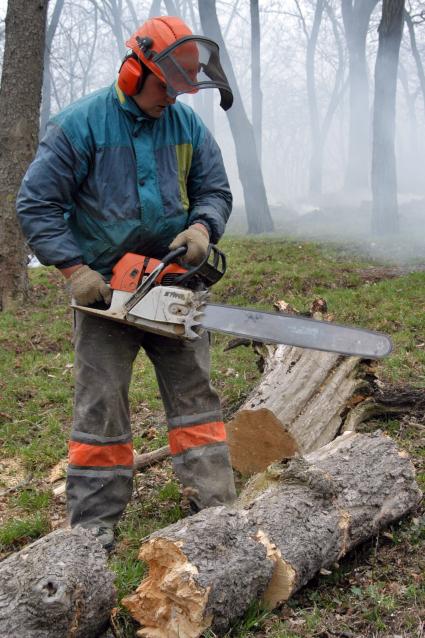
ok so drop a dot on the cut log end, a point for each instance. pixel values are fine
(169, 603)
(242, 434)
(57, 586)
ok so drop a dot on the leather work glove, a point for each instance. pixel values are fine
(88, 286)
(197, 240)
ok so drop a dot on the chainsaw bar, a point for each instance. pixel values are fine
(297, 331)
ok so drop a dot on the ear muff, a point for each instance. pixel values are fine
(130, 75)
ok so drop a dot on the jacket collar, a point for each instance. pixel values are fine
(130, 107)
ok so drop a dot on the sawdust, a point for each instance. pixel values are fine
(12, 473)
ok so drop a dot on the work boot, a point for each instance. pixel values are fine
(105, 536)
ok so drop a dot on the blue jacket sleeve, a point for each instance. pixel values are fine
(45, 199)
(208, 187)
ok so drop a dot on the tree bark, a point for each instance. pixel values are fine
(250, 173)
(326, 503)
(149, 458)
(58, 586)
(356, 16)
(298, 406)
(20, 96)
(384, 177)
(205, 571)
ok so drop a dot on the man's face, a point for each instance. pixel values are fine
(153, 98)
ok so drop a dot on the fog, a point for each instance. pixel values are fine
(85, 54)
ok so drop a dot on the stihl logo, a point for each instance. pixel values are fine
(176, 295)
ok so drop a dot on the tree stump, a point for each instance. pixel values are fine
(56, 587)
(298, 406)
(205, 571)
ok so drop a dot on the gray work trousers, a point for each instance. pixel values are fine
(99, 481)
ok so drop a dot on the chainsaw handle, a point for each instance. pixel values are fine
(172, 256)
(211, 269)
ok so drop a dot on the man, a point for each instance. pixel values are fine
(127, 169)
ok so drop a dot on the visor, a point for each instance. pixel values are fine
(192, 63)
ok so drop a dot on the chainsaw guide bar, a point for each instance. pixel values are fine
(182, 311)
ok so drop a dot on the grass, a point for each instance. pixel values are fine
(376, 591)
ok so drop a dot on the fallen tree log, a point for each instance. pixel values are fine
(298, 406)
(149, 458)
(57, 587)
(328, 502)
(206, 570)
(199, 574)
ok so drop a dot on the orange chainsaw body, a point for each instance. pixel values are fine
(129, 271)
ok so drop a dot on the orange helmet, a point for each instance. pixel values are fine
(183, 61)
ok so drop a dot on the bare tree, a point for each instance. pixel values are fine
(356, 16)
(412, 176)
(250, 173)
(384, 176)
(319, 127)
(73, 57)
(415, 52)
(111, 12)
(256, 92)
(316, 162)
(20, 96)
(47, 85)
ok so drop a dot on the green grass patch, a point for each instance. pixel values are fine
(32, 500)
(19, 531)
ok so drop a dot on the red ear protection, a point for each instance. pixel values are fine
(130, 75)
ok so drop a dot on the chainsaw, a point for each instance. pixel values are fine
(172, 299)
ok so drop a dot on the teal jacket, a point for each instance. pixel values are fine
(107, 180)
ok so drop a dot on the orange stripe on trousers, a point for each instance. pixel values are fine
(182, 439)
(84, 454)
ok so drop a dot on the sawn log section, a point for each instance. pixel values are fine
(57, 587)
(297, 518)
(298, 406)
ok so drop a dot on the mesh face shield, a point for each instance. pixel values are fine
(192, 63)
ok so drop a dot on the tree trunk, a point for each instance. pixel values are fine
(205, 571)
(416, 54)
(298, 406)
(20, 96)
(58, 586)
(384, 177)
(319, 129)
(410, 161)
(47, 83)
(250, 173)
(356, 16)
(256, 92)
(204, 105)
(316, 158)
